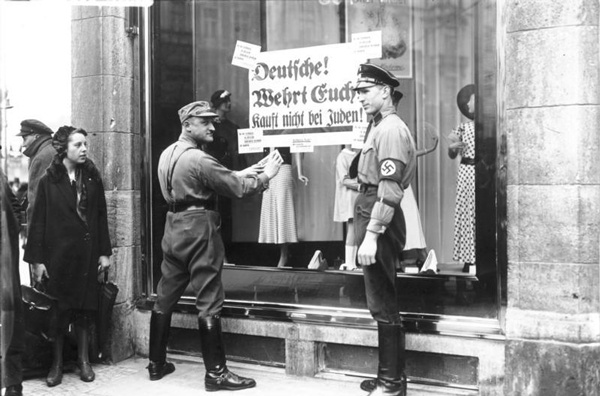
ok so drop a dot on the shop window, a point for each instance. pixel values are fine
(435, 48)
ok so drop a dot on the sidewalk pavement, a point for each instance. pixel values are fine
(130, 378)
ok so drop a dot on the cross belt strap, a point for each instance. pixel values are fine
(172, 169)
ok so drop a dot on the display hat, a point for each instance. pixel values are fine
(369, 75)
(219, 97)
(462, 100)
(30, 126)
(196, 109)
(396, 96)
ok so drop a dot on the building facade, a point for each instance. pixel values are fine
(523, 320)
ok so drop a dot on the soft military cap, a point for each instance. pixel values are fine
(369, 75)
(196, 109)
(29, 127)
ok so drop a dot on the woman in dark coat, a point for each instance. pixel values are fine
(68, 243)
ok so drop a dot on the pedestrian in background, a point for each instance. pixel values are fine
(37, 145)
(386, 167)
(190, 180)
(68, 244)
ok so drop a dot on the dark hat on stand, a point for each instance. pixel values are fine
(29, 127)
(462, 100)
(196, 109)
(220, 96)
(396, 96)
(369, 75)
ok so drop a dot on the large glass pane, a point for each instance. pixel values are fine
(435, 48)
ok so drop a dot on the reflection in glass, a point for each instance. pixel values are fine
(435, 48)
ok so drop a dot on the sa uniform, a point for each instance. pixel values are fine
(190, 181)
(386, 166)
(193, 250)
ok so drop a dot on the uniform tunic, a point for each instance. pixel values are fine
(192, 246)
(386, 167)
(224, 148)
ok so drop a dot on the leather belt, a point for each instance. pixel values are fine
(468, 161)
(183, 206)
(363, 188)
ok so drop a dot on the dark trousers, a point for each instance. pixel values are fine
(11, 306)
(380, 278)
(12, 332)
(192, 254)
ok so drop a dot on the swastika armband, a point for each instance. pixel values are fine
(391, 169)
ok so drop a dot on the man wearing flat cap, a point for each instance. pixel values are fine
(386, 166)
(37, 145)
(193, 253)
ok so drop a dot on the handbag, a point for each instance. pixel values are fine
(106, 300)
(39, 313)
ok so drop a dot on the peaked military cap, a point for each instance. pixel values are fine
(30, 126)
(369, 75)
(196, 109)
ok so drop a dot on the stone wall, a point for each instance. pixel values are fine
(105, 92)
(551, 119)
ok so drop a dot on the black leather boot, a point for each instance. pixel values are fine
(391, 379)
(218, 377)
(14, 390)
(86, 374)
(368, 385)
(56, 369)
(160, 324)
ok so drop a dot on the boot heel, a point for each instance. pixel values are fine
(211, 387)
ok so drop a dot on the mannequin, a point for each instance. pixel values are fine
(277, 216)
(462, 145)
(415, 238)
(346, 190)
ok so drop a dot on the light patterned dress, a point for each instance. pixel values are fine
(277, 217)
(464, 216)
(343, 206)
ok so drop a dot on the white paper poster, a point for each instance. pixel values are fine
(250, 141)
(245, 54)
(305, 91)
(367, 45)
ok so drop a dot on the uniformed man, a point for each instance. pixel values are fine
(386, 166)
(190, 180)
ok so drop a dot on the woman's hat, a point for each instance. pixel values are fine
(462, 100)
(220, 96)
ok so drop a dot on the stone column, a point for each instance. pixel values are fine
(105, 92)
(552, 122)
